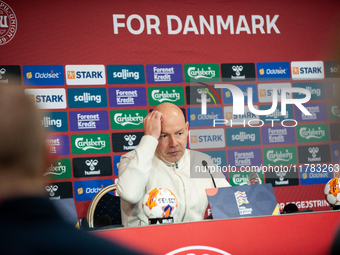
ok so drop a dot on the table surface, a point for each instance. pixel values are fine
(304, 233)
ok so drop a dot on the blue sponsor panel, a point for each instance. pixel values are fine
(54, 121)
(89, 120)
(336, 152)
(196, 119)
(87, 98)
(278, 135)
(58, 145)
(124, 97)
(333, 89)
(273, 71)
(316, 89)
(315, 174)
(218, 157)
(125, 74)
(277, 114)
(243, 136)
(228, 96)
(43, 74)
(318, 112)
(164, 73)
(245, 157)
(86, 190)
(116, 162)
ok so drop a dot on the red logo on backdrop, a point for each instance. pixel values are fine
(198, 250)
(8, 23)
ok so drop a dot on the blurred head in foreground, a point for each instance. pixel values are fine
(23, 153)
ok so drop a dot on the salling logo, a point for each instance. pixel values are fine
(125, 120)
(125, 74)
(307, 70)
(47, 122)
(314, 151)
(85, 74)
(51, 189)
(279, 156)
(92, 166)
(86, 97)
(59, 169)
(130, 139)
(243, 136)
(165, 96)
(197, 73)
(312, 133)
(89, 144)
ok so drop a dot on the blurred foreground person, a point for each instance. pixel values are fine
(29, 224)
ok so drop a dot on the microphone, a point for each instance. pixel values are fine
(205, 164)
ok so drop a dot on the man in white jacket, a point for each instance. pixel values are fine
(161, 160)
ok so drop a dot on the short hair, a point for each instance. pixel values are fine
(21, 133)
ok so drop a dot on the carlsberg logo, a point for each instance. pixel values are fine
(125, 120)
(312, 133)
(89, 144)
(279, 156)
(240, 180)
(162, 96)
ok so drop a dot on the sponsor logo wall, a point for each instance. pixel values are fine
(93, 110)
(102, 123)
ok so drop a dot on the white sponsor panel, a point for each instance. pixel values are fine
(241, 119)
(265, 91)
(85, 74)
(207, 138)
(48, 98)
(307, 70)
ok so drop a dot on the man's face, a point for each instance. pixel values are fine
(173, 139)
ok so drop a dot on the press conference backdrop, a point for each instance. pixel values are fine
(96, 68)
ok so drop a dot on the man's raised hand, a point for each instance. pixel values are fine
(152, 124)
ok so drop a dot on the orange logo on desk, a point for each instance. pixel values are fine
(334, 188)
(152, 198)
